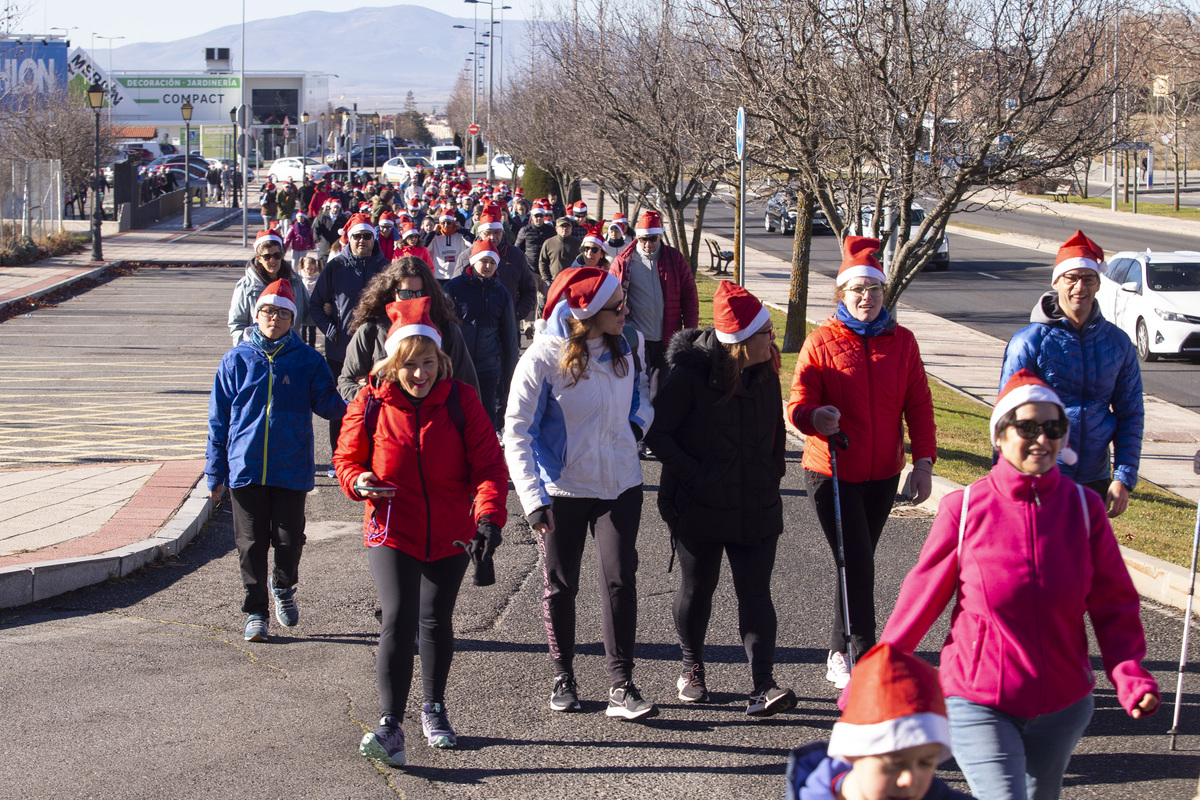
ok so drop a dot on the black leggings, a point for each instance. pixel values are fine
(335, 424)
(865, 509)
(614, 525)
(266, 517)
(411, 590)
(751, 565)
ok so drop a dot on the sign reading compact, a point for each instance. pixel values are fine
(180, 97)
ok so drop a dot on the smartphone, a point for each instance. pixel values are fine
(386, 491)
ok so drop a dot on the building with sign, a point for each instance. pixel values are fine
(277, 101)
(31, 66)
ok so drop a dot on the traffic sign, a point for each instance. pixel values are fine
(474, 129)
(245, 143)
(243, 115)
(741, 132)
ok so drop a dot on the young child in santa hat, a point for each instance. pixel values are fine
(888, 742)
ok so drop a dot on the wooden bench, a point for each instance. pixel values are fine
(1061, 192)
(718, 259)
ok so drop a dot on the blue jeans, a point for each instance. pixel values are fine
(1011, 758)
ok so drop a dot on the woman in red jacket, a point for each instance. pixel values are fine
(418, 446)
(860, 373)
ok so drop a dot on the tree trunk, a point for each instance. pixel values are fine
(797, 312)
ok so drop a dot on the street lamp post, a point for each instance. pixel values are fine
(321, 136)
(234, 181)
(186, 109)
(95, 99)
(491, 4)
(304, 145)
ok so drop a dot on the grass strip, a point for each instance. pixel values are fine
(1153, 209)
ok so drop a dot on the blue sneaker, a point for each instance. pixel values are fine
(331, 473)
(256, 628)
(285, 605)
(386, 744)
(436, 726)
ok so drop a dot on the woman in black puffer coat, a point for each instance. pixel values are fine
(719, 432)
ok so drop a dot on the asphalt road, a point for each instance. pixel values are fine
(992, 287)
(144, 688)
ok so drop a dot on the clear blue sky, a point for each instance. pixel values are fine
(165, 22)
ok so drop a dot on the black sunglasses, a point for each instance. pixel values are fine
(1030, 428)
(617, 309)
(409, 294)
(272, 256)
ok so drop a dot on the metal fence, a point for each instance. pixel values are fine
(32, 199)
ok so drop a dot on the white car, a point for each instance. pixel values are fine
(294, 169)
(504, 170)
(399, 169)
(1155, 298)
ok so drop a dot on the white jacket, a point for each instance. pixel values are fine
(574, 441)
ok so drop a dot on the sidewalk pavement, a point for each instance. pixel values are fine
(68, 527)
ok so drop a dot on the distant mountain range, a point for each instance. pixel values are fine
(378, 54)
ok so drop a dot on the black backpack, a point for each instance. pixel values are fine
(371, 416)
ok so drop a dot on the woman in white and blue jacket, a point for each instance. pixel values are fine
(260, 445)
(578, 406)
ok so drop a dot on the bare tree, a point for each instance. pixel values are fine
(55, 126)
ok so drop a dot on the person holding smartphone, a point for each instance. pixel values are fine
(418, 447)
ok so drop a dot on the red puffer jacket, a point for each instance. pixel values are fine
(873, 382)
(681, 303)
(435, 470)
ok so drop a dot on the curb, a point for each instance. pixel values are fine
(24, 584)
(64, 283)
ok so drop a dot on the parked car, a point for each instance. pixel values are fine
(1155, 299)
(400, 168)
(504, 169)
(940, 260)
(147, 151)
(370, 156)
(295, 168)
(781, 214)
(178, 160)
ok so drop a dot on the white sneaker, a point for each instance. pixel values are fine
(837, 671)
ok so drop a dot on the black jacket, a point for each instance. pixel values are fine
(530, 240)
(512, 273)
(489, 325)
(722, 462)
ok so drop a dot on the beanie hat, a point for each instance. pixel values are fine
(1026, 387)
(483, 249)
(490, 219)
(737, 314)
(410, 318)
(584, 289)
(1079, 252)
(279, 294)
(357, 223)
(266, 237)
(859, 261)
(649, 224)
(594, 234)
(895, 702)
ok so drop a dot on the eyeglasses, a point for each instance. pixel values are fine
(768, 331)
(648, 239)
(618, 309)
(1030, 428)
(1088, 280)
(874, 290)
(276, 256)
(409, 294)
(272, 313)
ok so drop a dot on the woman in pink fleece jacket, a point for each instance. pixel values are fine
(1030, 553)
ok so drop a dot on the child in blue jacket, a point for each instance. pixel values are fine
(260, 444)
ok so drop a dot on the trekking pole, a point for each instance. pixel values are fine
(1187, 617)
(840, 441)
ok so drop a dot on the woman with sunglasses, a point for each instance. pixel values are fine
(267, 266)
(406, 278)
(578, 405)
(860, 374)
(592, 252)
(1026, 554)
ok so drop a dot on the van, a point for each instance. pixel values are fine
(148, 151)
(443, 157)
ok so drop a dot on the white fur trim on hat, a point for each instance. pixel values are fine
(1078, 262)
(602, 295)
(277, 300)
(266, 238)
(851, 741)
(395, 337)
(648, 231)
(760, 319)
(589, 239)
(485, 254)
(358, 227)
(861, 271)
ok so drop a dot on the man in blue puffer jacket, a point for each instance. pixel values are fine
(260, 444)
(1092, 365)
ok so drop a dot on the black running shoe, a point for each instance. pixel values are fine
(626, 702)
(565, 695)
(691, 685)
(770, 699)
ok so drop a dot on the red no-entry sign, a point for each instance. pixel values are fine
(474, 129)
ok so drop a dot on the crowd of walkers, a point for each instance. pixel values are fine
(423, 292)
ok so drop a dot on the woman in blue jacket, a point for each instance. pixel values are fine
(260, 445)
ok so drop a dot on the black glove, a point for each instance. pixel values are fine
(539, 516)
(487, 539)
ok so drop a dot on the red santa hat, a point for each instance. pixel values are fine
(594, 234)
(491, 219)
(483, 249)
(446, 214)
(410, 318)
(266, 237)
(301, 214)
(364, 207)
(1079, 252)
(519, 191)
(414, 202)
(279, 294)
(538, 209)
(859, 261)
(1026, 387)
(579, 209)
(585, 290)
(387, 220)
(357, 223)
(622, 220)
(737, 314)
(895, 703)
(649, 224)
(409, 230)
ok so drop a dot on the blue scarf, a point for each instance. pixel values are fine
(260, 340)
(864, 329)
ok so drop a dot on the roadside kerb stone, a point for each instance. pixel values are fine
(54, 287)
